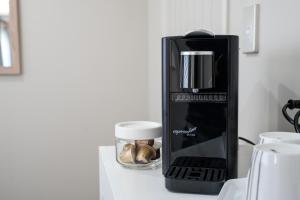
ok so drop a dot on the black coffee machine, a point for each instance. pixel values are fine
(200, 111)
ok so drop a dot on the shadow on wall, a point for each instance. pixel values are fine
(284, 80)
(267, 115)
(256, 112)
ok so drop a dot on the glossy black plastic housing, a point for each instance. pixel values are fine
(200, 123)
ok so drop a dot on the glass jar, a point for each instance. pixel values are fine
(138, 144)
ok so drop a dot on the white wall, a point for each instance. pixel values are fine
(84, 69)
(154, 58)
(270, 78)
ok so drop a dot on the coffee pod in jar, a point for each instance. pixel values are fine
(138, 144)
(157, 147)
(128, 154)
(145, 153)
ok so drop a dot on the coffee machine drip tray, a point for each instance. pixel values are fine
(196, 173)
(199, 169)
(190, 174)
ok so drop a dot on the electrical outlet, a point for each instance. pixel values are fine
(250, 29)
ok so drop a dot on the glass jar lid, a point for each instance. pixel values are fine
(138, 130)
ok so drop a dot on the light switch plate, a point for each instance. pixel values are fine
(250, 29)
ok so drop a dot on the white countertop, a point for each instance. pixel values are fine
(119, 183)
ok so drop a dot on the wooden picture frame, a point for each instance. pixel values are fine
(13, 29)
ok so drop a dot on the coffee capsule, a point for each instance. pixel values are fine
(157, 147)
(144, 142)
(128, 154)
(157, 154)
(145, 153)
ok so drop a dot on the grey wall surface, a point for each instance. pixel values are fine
(84, 69)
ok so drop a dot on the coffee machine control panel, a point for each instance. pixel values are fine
(200, 97)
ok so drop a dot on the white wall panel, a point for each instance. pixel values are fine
(177, 17)
(181, 16)
(85, 69)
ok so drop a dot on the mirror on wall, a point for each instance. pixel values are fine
(9, 37)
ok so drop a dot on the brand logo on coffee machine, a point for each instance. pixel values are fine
(190, 132)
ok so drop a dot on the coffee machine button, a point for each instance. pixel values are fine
(221, 97)
(175, 97)
(216, 98)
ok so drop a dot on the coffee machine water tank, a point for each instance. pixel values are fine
(197, 70)
(200, 108)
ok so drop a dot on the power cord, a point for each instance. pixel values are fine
(292, 104)
(246, 140)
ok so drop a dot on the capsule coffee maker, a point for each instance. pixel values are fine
(200, 111)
